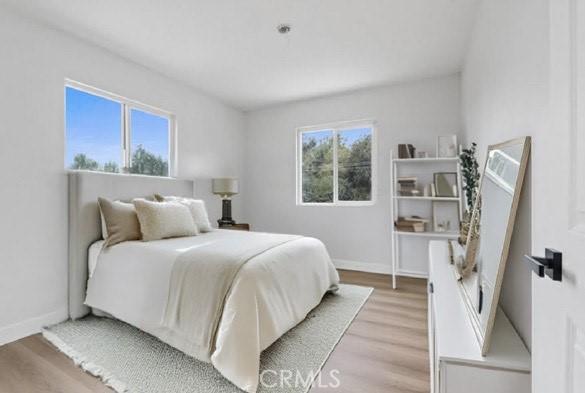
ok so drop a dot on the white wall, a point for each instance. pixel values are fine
(413, 112)
(34, 61)
(504, 95)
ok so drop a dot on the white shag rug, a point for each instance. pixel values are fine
(129, 360)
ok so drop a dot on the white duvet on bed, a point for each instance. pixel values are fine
(272, 293)
(93, 254)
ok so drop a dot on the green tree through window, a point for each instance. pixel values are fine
(143, 162)
(354, 165)
(81, 161)
(354, 155)
(146, 163)
(318, 167)
(111, 166)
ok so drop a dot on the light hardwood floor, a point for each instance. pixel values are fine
(384, 349)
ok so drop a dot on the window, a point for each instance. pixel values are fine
(336, 164)
(108, 133)
(149, 143)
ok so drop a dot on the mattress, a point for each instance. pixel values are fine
(92, 256)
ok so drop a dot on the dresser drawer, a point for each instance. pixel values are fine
(458, 378)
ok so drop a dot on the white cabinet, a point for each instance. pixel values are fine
(455, 355)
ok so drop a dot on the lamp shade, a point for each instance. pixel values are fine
(225, 186)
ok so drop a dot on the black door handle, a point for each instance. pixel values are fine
(551, 264)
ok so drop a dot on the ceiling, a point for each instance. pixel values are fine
(230, 49)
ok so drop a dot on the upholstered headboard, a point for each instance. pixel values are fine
(84, 218)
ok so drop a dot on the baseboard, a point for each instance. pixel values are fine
(30, 326)
(362, 266)
(414, 274)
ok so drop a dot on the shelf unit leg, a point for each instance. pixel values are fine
(393, 203)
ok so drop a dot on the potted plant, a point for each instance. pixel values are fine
(470, 175)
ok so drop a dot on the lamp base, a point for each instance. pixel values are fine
(222, 222)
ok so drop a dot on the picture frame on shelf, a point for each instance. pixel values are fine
(447, 146)
(445, 184)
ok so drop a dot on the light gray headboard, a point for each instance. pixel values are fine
(84, 219)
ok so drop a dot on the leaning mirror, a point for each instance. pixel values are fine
(492, 225)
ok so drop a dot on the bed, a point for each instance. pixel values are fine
(132, 281)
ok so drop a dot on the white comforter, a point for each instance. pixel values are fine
(272, 293)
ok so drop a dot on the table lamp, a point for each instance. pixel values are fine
(225, 188)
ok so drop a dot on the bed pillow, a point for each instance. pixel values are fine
(161, 220)
(196, 207)
(120, 220)
(103, 224)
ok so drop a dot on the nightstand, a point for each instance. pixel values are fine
(236, 227)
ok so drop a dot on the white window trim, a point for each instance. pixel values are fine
(336, 127)
(125, 129)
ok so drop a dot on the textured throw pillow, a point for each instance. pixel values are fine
(121, 221)
(196, 207)
(161, 220)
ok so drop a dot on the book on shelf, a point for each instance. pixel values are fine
(407, 186)
(411, 224)
(409, 193)
(406, 150)
(414, 218)
(410, 179)
(413, 227)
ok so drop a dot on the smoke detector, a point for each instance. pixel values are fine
(283, 28)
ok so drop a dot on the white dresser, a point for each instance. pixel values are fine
(456, 362)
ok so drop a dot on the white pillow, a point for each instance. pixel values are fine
(196, 207)
(161, 220)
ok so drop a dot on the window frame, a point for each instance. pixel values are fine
(126, 107)
(336, 128)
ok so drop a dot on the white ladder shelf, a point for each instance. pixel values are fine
(396, 200)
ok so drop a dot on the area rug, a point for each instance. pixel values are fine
(129, 360)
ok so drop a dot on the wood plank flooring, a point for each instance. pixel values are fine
(386, 347)
(384, 350)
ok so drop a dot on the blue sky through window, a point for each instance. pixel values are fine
(93, 127)
(349, 136)
(150, 131)
(317, 136)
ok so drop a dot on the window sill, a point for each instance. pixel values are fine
(117, 173)
(338, 204)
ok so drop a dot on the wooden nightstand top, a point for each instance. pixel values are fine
(236, 227)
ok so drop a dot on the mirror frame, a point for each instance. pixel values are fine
(484, 340)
